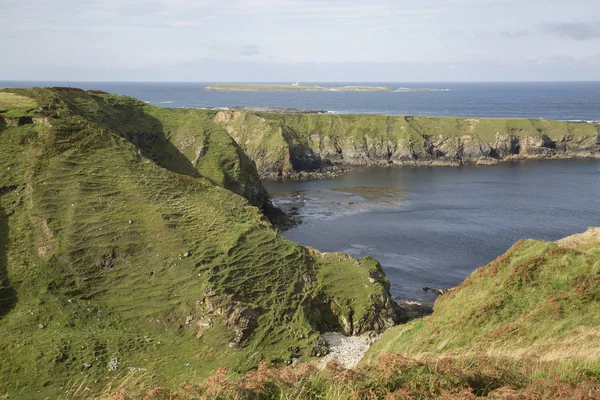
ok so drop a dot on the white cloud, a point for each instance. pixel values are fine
(454, 36)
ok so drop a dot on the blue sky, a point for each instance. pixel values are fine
(305, 40)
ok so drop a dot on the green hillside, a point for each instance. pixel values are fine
(539, 301)
(136, 260)
(125, 250)
(282, 144)
(526, 326)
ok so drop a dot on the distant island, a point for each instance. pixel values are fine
(296, 87)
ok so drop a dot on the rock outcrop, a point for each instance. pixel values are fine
(282, 145)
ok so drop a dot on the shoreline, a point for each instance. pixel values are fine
(294, 200)
(338, 170)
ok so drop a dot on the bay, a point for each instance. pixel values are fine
(434, 226)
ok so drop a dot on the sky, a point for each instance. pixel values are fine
(300, 40)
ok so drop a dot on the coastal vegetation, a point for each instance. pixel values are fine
(538, 301)
(137, 261)
(526, 326)
(13, 104)
(286, 145)
(271, 87)
(121, 254)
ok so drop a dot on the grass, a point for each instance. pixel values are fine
(264, 141)
(393, 376)
(119, 239)
(538, 301)
(14, 106)
(277, 141)
(131, 236)
(212, 151)
(525, 326)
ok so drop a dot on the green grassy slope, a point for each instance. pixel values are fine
(211, 150)
(269, 143)
(14, 105)
(526, 326)
(121, 254)
(401, 126)
(539, 301)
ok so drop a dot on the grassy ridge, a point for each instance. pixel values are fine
(293, 142)
(211, 150)
(397, 126)
(526, 326)
(121, 253)
(539, 300)
(14, 105)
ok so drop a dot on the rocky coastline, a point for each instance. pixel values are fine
(337, 170)
(315, 146)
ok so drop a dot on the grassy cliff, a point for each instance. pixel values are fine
(526, 326)
(134, 256)
(132, 246)
(538, 302)
(283, 143)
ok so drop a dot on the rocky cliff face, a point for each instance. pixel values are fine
(283, 145)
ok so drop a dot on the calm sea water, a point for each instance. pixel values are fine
(563, 100)
(434, 226)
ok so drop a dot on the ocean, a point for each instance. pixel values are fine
(549, 100)
(434, 226)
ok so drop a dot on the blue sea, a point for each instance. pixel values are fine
(440, 224)
(550, 100)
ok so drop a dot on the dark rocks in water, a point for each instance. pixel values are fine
(303, 175)
(435, 291)
(282, 219)
(413, 310)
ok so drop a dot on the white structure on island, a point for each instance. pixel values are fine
(295, 84)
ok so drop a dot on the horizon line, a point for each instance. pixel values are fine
(278, 82)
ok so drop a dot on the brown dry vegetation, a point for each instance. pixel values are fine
(393, 377)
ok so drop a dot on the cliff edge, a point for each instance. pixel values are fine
(284, 145)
